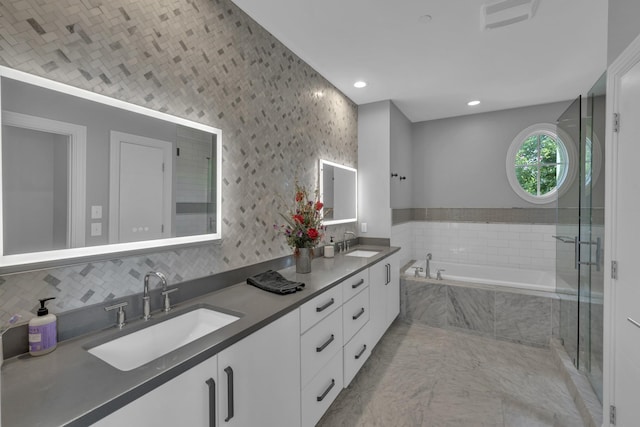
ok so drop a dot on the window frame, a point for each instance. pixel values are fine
(572, 159)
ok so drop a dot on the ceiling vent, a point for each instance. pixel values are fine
(507, 12)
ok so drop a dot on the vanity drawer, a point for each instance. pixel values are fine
(356, 352)
(355, 314)
(322, 391)
(319, 344)
(354, 284)
(320, 307)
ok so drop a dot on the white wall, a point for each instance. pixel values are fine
(623, 26)
(460, 162)
(523, 246)
(373, 169)
(401, 153)
(28, 190)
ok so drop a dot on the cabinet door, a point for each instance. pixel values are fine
(183, 401)
(260, 377)
(378, 296)
(393, 290)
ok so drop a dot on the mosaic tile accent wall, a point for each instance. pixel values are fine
(204, 60)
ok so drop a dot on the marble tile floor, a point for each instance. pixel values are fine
(423, 376)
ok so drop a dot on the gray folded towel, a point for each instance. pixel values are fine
(273, 281)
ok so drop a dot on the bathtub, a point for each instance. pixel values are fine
(489, 275)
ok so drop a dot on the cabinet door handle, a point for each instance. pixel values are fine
(212, 402)
(324, 394)
(360, 313)
(229, 373)
(359, 355)
(323, 346)
(324, 307)
(356, 285)
(388, 268)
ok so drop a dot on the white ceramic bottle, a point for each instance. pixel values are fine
(43, 332)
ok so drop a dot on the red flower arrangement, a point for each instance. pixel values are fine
(303, 228)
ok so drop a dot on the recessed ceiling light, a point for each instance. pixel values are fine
(360, 84)
(472, 103)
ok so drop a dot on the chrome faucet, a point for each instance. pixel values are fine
(146, 305)
(346, 242)
(427, 270)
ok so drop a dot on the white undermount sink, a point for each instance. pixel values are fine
(143, 346)
(362, 253)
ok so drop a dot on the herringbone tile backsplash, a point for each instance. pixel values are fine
(204, 60)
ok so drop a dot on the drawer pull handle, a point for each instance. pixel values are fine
(359, 355)
(360, 313)
(323, 346)
(212, 402)
(356, 285)
(323, 395)
(324, 307)
(230, 411)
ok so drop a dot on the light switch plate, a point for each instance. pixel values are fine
(96, 212)
(363, 227)
(96, 229)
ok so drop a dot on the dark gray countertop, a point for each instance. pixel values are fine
(72, 387)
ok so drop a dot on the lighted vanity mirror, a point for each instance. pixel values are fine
(338, 192)
(85, 175)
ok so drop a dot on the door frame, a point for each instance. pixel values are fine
(77, 169)
(114, 180)
(627, 60)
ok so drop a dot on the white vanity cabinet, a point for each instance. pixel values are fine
(259, 377)
(254, 382)
(187, 400)
(384, 284)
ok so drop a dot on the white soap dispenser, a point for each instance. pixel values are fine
(43, 332)
(329, 249)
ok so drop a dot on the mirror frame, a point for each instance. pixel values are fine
(337, 165)
(45, 259)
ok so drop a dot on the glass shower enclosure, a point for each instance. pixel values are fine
(580, 236)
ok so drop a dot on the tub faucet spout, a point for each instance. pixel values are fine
(427, 270)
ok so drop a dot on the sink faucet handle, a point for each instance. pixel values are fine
(439, 273)
(417, 271)
(167, 302)
(121, 315)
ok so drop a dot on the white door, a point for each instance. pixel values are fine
(625, 239)
(141, 209)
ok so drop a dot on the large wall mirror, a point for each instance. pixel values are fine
(338, 191)
(85, 175)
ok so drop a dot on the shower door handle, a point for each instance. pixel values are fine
(598, 245)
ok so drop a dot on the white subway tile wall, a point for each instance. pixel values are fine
(402, 236)
(524, 246)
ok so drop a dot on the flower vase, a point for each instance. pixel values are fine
(303, 260)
